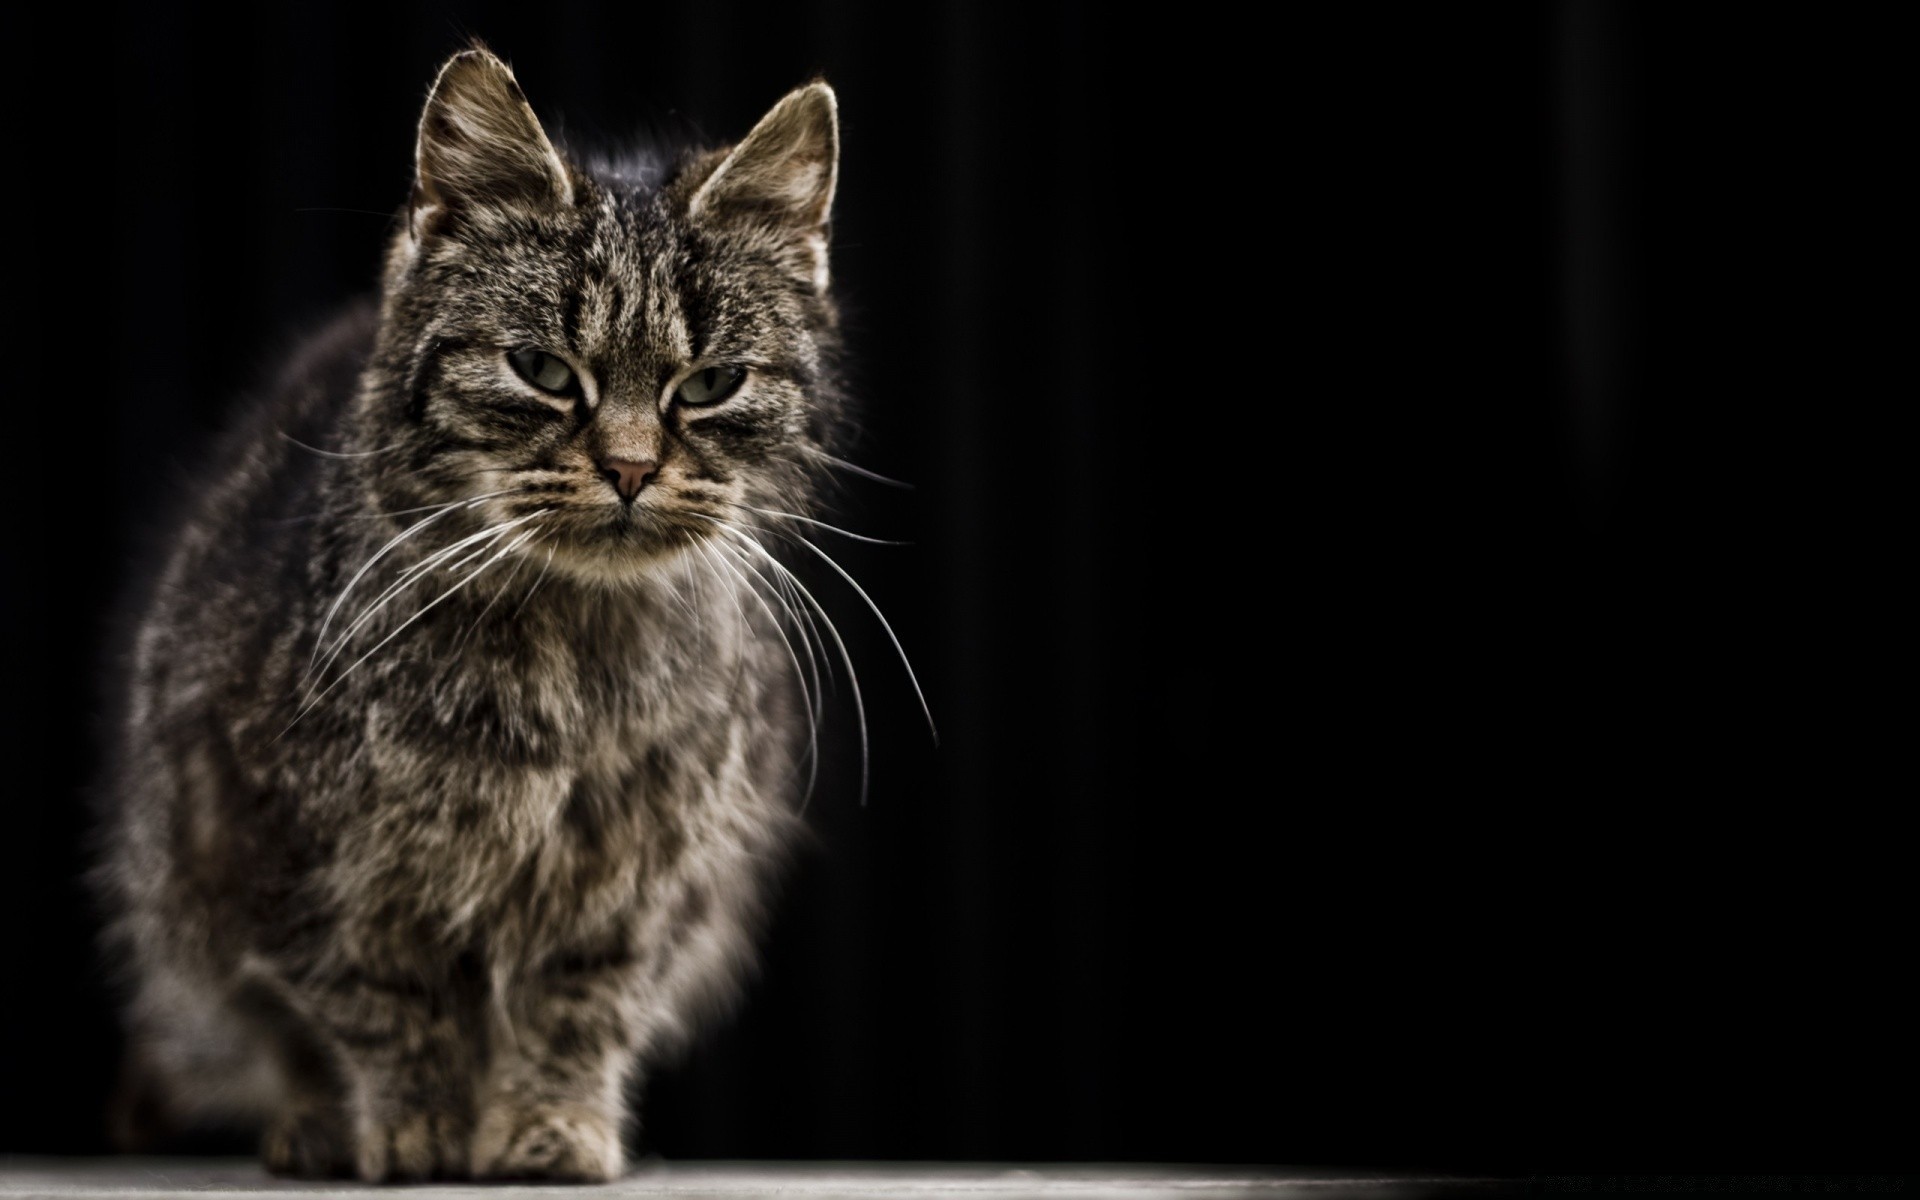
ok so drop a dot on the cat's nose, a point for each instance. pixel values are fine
(628, 476)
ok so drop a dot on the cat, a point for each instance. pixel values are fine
(461, 730)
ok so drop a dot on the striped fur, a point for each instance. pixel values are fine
(449, 781)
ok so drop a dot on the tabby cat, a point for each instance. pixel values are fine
(461, 727)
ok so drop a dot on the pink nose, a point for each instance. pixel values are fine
(627, 476)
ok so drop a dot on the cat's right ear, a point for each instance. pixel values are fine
(481, 148)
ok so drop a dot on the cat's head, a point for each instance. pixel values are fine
(618, 356)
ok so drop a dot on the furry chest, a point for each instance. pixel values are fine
(623, 838)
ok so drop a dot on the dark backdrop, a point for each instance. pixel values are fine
(1386, 560)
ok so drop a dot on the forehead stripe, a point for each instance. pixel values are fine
(667, 313)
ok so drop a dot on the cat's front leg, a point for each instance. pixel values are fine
(408, 1048)
(553, 1104)
(311, 1134)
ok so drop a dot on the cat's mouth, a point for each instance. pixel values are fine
(649, 524)
(620, 541)
(624, 541)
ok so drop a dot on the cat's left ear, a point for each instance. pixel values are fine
(779, 180)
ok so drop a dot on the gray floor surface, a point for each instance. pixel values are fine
(234, 1179)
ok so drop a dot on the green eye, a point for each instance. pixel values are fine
(544, 371)
(710, 386)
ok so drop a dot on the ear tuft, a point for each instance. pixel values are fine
(480, 146)
(781, 178)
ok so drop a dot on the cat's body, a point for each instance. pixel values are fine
(458, 738)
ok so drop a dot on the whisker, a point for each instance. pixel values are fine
(354, 514)
(706, 554)
(406, 579)
(881, 617)
(338, 453)
(412, 575)
(359, 513)
(857, 469)
(381, 553)
(477, 551)
(699, 603)
(518, 566)
(805, 627)
(809, 634)
(858, 537)
(846, 658)
(810, 637)
(813, 730)
(401, 628)
(673, 589)
(398, 512)
(538, 580)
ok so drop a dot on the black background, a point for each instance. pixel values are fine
(1395, 553)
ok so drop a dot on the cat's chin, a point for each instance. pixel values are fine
(616, 553)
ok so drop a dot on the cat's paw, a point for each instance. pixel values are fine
(413, 1146)
(563, 1142)
(307, 1145)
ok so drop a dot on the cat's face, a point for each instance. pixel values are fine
(618, 369)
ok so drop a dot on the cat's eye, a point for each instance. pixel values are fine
(710, 386)
(544, 371)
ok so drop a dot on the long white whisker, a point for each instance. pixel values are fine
(699, 603)
(320, 638)
(538, 580)
(809, 630)
(857, 469)
(410, 576)
(441, 511)
(853, 676)
(338, 453)
(357, 515)
(803, 625)
(518, 566)
(817, 659)
(673, 589)
(470, 555)
(846, 658)
(469, 578)
(407, 577)
(847, 533)
(881, 617)
(813, 730)
(705, 551)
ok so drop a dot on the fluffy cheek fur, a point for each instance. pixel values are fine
(450, 777)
